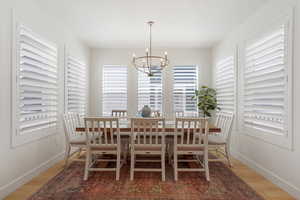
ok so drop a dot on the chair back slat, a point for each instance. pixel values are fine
(99, 133)
(70, 122)
(156, 113)
(138, 136)
(111, 132)
(102, 131)
(105, 132)
(147, 131)
(224, 121)
(119, 113)
(191, 131)
(194, 131)
(179, 114)
(156, 130)
(217, 120)
(188, 132)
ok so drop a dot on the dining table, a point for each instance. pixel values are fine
(170, 129)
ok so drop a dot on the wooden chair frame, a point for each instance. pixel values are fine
(179, 113)
(193, 142)
(155, 113)
(119, 113)
(103, 138)
(147, 138)
(72, 138)
(224, 121)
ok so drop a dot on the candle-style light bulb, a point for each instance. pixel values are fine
(166, 53)
(147, 50)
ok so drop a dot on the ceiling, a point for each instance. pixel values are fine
(179, 23)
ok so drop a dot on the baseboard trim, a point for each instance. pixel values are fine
(271, 176)
(18, 182)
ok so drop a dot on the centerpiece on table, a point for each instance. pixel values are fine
(146, 111)
(207, 100)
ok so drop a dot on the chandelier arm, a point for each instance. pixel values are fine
(143, 71)
(160, 57)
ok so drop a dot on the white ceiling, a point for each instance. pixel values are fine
(179, 23)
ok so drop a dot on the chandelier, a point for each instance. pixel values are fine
(148, 62)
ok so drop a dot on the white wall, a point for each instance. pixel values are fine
(19, 164)
(278, 164)
(101, 57)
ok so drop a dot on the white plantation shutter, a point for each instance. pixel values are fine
(37, 92)
(76, 86)
(114, 89)
(150, 90)
(225, 84)
(185, 84)
(265, 84)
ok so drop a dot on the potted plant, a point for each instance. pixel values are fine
(207, 100)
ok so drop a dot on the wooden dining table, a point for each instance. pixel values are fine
(125, 128)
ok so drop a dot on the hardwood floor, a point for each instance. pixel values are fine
(261, 185)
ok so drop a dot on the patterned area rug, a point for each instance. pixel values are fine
(69, 185)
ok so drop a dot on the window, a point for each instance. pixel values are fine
(267, 85)
(185, 84)
(35, 90)
(76, 86)
(150, 90)
(225, 84)
(114, 88)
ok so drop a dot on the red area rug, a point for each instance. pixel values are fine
(69, 185)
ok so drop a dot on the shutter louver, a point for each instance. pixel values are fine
(150, 90)
(37, 83)
(185, 84)
(265, 84)
(225, 84)
(76, 86)
(114, 89)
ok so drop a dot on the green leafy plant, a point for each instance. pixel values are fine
(207, 100)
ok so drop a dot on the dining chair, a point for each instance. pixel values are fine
(73, 138)
(155, 113)
(179, 113)
(190, 139)
(119, 113)
(220, 142)
(147, 139)
(103, 138)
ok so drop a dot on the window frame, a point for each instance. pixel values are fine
(234, 64)
(197, 85)
(66, 62)
(18, 139)
(102, 86)
(283, 141)
(162, 91)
